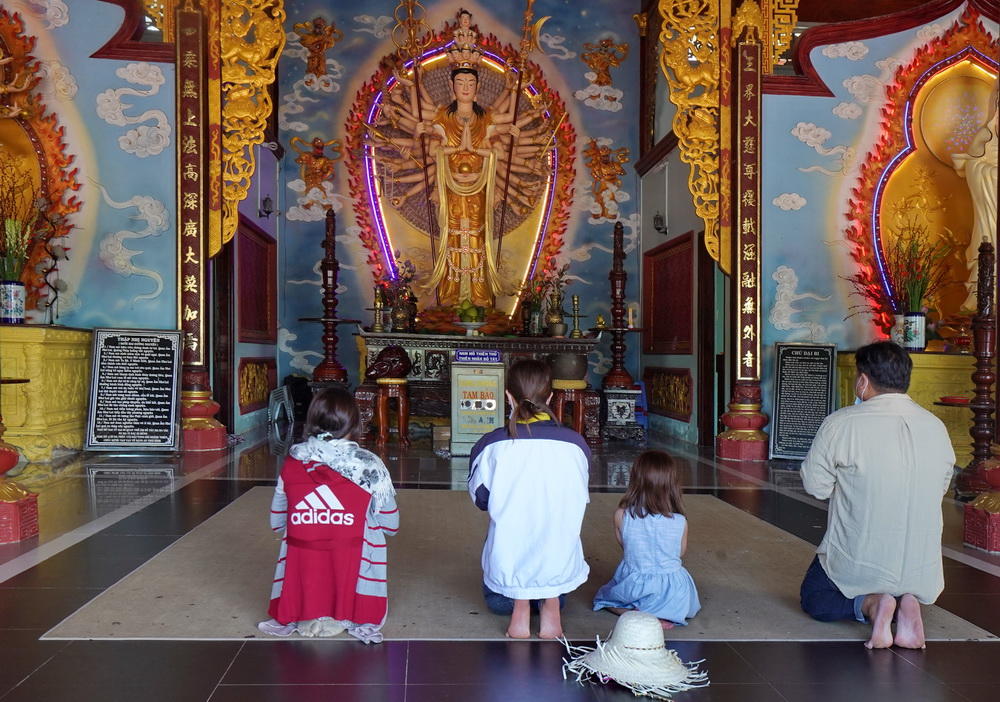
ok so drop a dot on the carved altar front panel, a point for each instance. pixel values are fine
(669, 392)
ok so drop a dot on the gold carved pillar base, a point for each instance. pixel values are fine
(743, 439)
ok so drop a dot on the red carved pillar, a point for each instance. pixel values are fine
(200, 430)
(617, 376)
(330, 370)
(972, 480)
(743, 438)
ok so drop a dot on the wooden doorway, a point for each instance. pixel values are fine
(221, 321)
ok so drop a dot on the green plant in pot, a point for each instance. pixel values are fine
(918, 269)
(20, 216)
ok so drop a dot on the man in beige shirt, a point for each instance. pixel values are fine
(884, 464)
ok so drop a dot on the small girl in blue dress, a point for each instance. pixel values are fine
(651, 527)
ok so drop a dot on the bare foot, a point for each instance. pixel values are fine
(551, 621)
(519, 620)
(879, 609)
(667, 625)
(909, 624)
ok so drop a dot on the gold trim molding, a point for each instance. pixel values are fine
(252, 37)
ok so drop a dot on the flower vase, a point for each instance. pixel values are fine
(896, 334)
(12, 297)
(536, 323)
(554, 319)
(914, 331)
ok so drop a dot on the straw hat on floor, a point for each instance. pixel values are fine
(635, 656)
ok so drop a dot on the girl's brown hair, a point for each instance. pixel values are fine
(332, 411)
(653, 486)
(529, 381)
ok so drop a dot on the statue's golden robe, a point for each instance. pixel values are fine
(466, 265)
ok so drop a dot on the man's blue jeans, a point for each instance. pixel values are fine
(499, 604)
(823, 601)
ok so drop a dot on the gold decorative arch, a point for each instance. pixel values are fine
(908, 175)
(34, 137)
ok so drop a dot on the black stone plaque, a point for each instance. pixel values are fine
(804, 384)
(134, 390)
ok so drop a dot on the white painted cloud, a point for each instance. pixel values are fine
(865, 88)
(850, 50)
(810, 134)
(57, 80)
(146, 140)
(931, 31)
(815, 136)
(299, 358)
(848, 110)
(54, 12)
(789, 201)
(312, 206)
(293, 103)
(117, 256)
(379, 26)
(318, 280)
(784, 308)
(554, 43)
(600, 97)
(888, 66)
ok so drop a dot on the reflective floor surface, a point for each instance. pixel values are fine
(103, 516)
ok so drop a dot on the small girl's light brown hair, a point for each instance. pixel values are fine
(529, 381)
(653, 486)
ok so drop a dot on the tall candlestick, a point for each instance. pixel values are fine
(630, 317)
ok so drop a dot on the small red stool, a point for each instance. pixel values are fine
(386, 389)
(586, 411)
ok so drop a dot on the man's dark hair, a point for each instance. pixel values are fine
(886, 364)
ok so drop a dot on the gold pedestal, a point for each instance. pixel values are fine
(50, 411)
(934, 376)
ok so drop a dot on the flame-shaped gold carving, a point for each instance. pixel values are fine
(252, 40)
(690, 61)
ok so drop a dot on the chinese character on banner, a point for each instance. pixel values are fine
(748, 280)
(191, 228)
(749, 63)
(190, 172)
(748, 333)
(749, 145)
(189, 145)
(190, 201)
(748, 226)
(191, 341)
(190, 314)
(190, 59)
(189, 90)
(748, 198)
(748, 359)
(749, 170)
(749, 121)
(190, 284)
(749, 251)
(189, 256)
(748, 306)
(749, 92)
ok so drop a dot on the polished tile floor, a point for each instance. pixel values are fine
(103, 516)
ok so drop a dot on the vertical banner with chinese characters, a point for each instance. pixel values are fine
(746, 223)
(190, 185)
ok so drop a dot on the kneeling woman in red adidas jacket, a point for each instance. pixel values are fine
(336, 504)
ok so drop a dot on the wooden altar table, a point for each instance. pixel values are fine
(431, 356)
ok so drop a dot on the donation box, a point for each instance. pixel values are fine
(477, 397)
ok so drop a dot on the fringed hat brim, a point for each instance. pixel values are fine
(660, 674)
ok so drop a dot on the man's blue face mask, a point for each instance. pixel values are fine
(858, 392)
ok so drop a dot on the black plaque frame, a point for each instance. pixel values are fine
(173, 440)
(826, 352)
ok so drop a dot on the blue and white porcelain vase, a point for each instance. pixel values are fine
(12, 296)
(914, 331)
